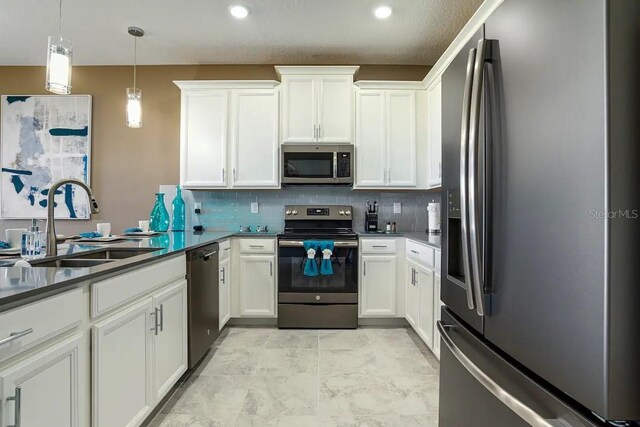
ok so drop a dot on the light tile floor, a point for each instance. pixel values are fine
(270, 377)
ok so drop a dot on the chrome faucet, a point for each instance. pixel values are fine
(52, 244)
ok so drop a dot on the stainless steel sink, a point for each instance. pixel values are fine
(71, 262)
(113, 253)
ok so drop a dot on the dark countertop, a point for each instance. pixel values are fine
(19, 285)
(432, 240)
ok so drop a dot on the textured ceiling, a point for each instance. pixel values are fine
(203, 32)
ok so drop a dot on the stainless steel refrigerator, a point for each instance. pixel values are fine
(541, 154)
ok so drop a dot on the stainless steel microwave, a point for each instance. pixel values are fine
(317, 164)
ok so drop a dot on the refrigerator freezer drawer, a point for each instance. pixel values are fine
(492, 391)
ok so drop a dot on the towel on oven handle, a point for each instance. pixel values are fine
(326, 247)
(310, 265)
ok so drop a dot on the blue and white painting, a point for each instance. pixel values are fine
(44, 139)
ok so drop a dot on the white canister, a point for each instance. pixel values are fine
(433, 210)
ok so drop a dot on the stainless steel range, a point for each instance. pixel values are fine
(326, 299)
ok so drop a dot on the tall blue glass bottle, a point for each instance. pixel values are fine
(178, 211)
(159, 218)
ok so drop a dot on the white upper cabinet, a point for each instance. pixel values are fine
(317, 104)
(229, 134)
(434, 114)
(203, 136)
(371, 139)
(401, 138)
(254, 138)
(386, 137)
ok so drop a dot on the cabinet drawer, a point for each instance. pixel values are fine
(437, 261)
(45, 318)
(115, 291)
(257, 246)
(378, 246)
(420, 253)
(225, 250)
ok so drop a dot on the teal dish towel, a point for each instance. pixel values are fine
(310, 265)
(90, 235)
(326, 249)
(4, 245)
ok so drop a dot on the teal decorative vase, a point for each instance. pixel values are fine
(178, 211)
(159, 218)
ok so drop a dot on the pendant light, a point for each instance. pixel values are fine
(59, 58)
(134, 95)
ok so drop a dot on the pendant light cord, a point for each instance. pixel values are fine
(135, 55)
(60, 19)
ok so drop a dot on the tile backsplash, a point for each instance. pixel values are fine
(226, 210)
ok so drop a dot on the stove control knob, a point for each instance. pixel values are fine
(288, 212)
(347, 212)
(317, 297)
(341, 212)
(295, 212)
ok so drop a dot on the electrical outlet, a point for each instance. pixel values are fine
(254, 207)
(397, 208)
(197, 207)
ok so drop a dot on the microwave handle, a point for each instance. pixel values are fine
(335, 165)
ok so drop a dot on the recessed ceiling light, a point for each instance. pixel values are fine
(239, 11)
(382, 12)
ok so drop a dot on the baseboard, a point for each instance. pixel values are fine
(252, 321)
(382, 321)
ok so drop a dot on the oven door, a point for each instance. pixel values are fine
(339, 287)
(308, 165)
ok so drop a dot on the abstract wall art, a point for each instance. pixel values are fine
(44, 139)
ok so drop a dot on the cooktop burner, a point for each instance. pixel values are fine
(313, 221)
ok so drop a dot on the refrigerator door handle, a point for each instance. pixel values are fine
(464, 162)
(510, 401)
(474, 134)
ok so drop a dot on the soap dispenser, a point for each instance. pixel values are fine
(32, 241)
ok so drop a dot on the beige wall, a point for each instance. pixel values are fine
(127, 165)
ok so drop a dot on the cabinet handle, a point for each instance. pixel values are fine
(389, 176)
(319, 133)
(315, 132)
(256, 246)
(161, 318)
(224, 279)
(364, 268)
(155, 320)
(271, 268)
(17, 399)
(413, 276)
(223, 174)
(415, 252)
(234, 174)
(380, 246)
(15, 335)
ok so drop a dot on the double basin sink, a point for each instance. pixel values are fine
(92, 258)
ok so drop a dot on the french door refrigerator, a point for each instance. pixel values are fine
(541, 150)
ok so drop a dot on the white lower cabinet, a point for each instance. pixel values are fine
(170, 338)
(412, 294)
(138, 355)
(122, 367)
(378, 285)
(224, 292)
(437, 305)
(47, 389)
(257, 285)
(424, 279)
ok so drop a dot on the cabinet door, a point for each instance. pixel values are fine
(371, 151)
(203, 139)
(437, 305)
(378, 285)
(254, 138)
(257, 285)
(425, 320)
(434, 113)
(299, 109)
(225, 292)
(401, 138)
(122, 367)
(170, 339)
(335, 110)
(412, 295)
(47, 389)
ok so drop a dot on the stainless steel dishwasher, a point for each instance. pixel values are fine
(202, 276)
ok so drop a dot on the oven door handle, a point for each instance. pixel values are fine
(300, 243)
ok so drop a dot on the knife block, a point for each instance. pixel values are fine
(371, 222)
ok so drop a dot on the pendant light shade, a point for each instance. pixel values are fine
(134, 107)
(134, 95)
(59, 60)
